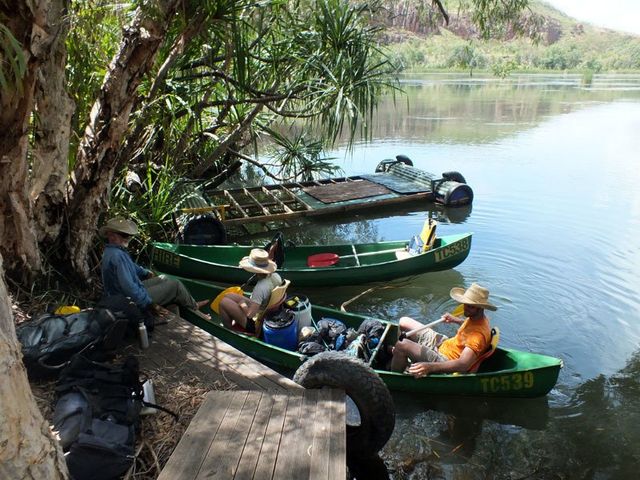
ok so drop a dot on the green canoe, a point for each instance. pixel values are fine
(508, 373)
(356, 264)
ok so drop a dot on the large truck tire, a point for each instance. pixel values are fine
(367, 391)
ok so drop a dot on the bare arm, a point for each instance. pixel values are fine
(461, 364)
(448, 318)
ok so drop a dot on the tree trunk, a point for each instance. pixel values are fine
(52, 131)
(109, 119)
(18, 243)
(27, 447)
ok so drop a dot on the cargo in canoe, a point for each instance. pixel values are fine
(507, 373)
(352, 264)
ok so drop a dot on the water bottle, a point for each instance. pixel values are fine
(144, 337)
(148, 396)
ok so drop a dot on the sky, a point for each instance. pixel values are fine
(621, 15)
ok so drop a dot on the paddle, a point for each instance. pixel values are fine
(329, 259)
(457, 311)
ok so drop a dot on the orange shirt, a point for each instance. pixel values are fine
(476, 335)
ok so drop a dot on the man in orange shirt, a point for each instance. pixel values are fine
(434, 352)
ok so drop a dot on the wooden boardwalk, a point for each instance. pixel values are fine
(182, 349)
(256, 424)
(263, 435)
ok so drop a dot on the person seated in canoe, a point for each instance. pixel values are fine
(240, 310)
(122, 276)
(433, 352)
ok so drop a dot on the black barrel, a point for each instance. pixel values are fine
(452, 194)
(197, 221)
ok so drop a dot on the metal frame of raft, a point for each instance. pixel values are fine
(395, 182)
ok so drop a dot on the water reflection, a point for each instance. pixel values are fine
(594, 436)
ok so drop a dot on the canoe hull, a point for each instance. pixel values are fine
(508, 373)
(377, 262)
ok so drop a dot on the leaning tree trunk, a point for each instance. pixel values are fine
(27, 447)
(55, 107)
(97, 157)
(18, 244)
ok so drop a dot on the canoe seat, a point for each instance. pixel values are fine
(428, 234)
(495, 338)
(278, 295)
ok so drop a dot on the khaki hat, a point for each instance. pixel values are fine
(119, 225)
(258, 262)
(474, 295)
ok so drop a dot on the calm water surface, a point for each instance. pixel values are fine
(554, 165)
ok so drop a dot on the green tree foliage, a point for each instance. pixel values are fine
(467, 57)
(12, 63)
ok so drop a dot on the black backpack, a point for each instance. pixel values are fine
(49, 341)
(97, 416)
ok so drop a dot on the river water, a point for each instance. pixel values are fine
(554, 165)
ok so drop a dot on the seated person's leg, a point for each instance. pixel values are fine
(238, 309)
(164, 291)
(408, 323)
(402, 352)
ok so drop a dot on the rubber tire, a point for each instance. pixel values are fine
(454, 177)
(404, 159)
(366, 389)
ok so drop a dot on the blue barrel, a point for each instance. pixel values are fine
(281, 331)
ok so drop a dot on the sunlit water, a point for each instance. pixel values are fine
(554, 165)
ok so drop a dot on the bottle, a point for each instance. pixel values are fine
(144, 337)
(148, 396)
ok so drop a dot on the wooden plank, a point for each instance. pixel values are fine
(204, 346)
(295, 197)
(311, 416)
(172, 348)
(282, 204)
(271, 446)
(336, 411)
(191, 451)
(320, 459)
(226, 448)
(342, 192)
(255, 439)
(264, 210)
(235, 204)
(287, 463)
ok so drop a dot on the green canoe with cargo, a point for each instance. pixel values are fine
(506, 373)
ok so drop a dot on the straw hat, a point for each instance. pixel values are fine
(258, 262)
(119, 225)
(474, 295)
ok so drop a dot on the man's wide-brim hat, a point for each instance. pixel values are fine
(119, 225)
(474, 295)
(258, 262)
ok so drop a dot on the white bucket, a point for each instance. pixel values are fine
(301, 308)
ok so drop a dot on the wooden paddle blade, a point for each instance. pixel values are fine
(322, 259)
(459, 310)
